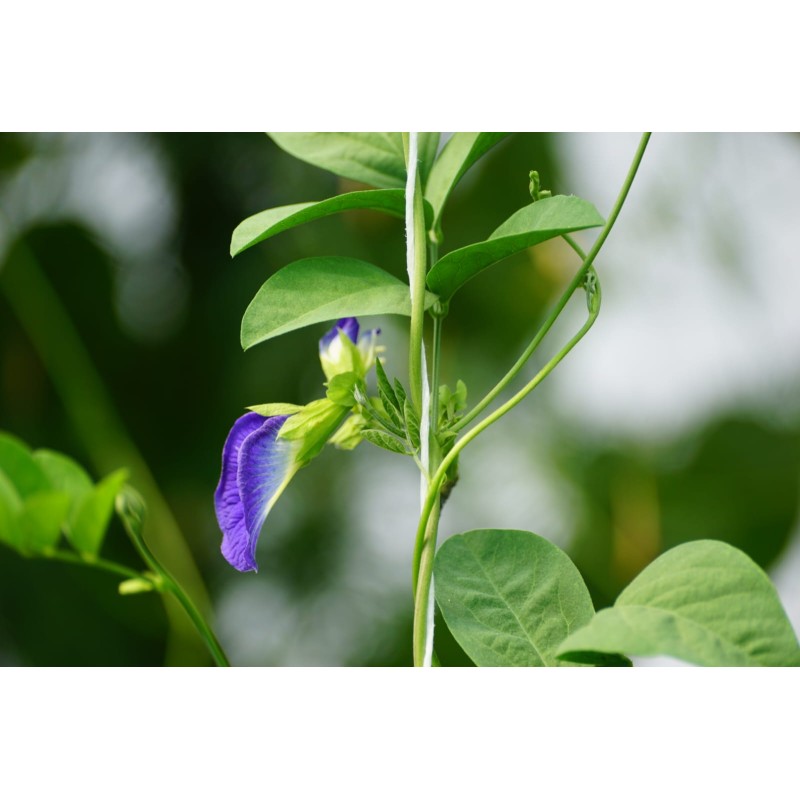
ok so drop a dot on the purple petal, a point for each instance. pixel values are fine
(256, 466)
(348, 324)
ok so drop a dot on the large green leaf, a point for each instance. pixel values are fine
(509, 597)
(458, 155)
(276, 220)
(704, 602)
(17, 462)
(90, 519)
(373, 158)
(535, 223)
(322, 289)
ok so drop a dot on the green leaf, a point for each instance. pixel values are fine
(704, 602)
(319, 290)
(427, 147)
(40, 521)
(340, 389)
(385, 440)
(312, 427)
(509, 597)
(535, 223)
(65, 475)
(388, 397)
(10, 505)
(17, 462)
(276, 409)
(276, 220)
(373, 158)
(458, 155)
(90, 520)
(411, 424)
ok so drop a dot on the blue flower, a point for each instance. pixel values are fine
(262, 453)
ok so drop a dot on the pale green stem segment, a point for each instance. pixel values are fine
(92, 413)
(588, 260)
(417, 290)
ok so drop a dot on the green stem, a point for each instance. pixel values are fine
(132, 519)
(435, 366)
(423, 574)
(588, 260)
(417, 279)
(434, 486)
(98, 563)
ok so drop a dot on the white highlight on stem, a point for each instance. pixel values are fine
(411, 185)
(424, 425)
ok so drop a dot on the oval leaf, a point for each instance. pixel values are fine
(703, 602)
(373, 158)
(535, 223)
(509, 597)
(458, 155)
(276, 220)
(319, 290)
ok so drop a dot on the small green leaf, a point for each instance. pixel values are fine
(427, 147)
(373, 158)
(704, 602)
(40, 521)
(400, 393)
(385, 440)
(321, 289)
(509, 597)
(276, 409)
(535, 223)
(65, 475)
(90, 520)
(388, 398)
(268, 223)
(10, 505)
(312, 427)
(412, 424)
(458, 155)
(17, 462)
(340, 389)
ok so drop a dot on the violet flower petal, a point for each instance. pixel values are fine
(256, 467)
(347, 324)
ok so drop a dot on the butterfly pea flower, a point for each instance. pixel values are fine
(264, 450)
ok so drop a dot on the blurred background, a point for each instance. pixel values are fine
(677, 418)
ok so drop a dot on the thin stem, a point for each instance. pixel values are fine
(577, 280)
(434, 486)
(98, 563)
(173, 586)
(435, 366)
(415, 228)
(422, 586)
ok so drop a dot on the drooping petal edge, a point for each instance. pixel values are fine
(256, 468)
